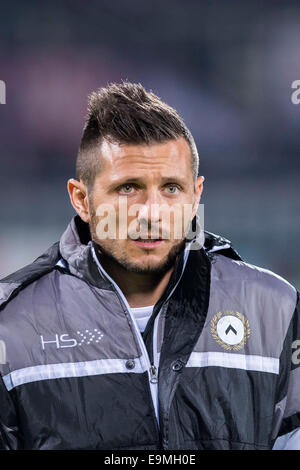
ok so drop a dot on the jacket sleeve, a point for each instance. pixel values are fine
(287, 410)
(10, 438)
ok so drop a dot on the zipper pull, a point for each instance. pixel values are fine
(153, 374)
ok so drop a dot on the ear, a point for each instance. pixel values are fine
(198, 191)
(79, 198)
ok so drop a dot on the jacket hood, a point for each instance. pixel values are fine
(74, 248)
(76, 242)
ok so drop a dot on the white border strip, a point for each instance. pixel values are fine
(61, 262)
(233, 360)
(219, 247)
(111, 366)
(70, 369)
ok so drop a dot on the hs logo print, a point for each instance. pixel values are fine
(65, 341)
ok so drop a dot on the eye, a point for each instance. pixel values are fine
(172, 189)
(126, 189)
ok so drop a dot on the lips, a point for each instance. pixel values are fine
(148, 243)
(148, 239)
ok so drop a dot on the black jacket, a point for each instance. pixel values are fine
(218, 367)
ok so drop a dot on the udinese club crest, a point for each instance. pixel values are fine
(230, 329)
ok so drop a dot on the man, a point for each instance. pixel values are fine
(129, 333)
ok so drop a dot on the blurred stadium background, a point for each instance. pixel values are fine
(227, 67)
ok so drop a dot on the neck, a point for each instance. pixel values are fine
(140, 290)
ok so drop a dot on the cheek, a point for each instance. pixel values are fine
(178, 218)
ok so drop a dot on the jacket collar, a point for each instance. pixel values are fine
(74, 251)
(76, 248)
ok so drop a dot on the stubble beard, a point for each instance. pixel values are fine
(111, 256)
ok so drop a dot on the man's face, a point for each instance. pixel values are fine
(148, 188)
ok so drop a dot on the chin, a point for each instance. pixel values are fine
(146, 266)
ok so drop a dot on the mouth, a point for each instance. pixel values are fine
(148, 244)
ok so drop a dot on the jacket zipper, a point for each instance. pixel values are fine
(153, 374)
(155, 363)
(151, 368)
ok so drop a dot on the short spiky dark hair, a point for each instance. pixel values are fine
(127, 113)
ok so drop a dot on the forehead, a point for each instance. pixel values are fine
(161, 158)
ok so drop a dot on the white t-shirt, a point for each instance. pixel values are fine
(142, 315)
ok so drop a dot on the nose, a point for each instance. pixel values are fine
(149, 212)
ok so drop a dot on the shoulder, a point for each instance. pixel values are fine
(20, 287)
(27, 305)
(29, 310)
(253, 280)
